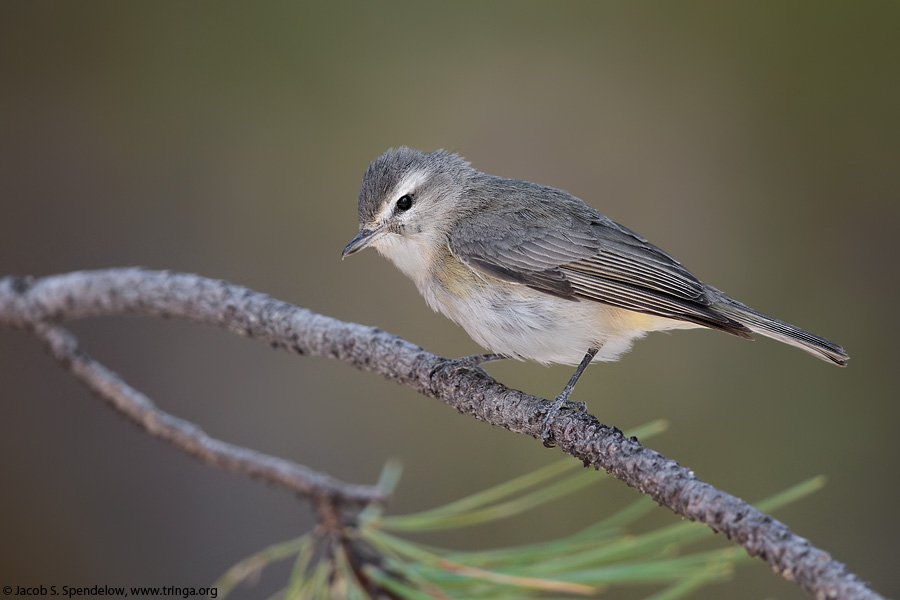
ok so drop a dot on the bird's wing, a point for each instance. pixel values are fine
(516, 245)
(582, 254)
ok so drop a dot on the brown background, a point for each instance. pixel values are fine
(756, 143)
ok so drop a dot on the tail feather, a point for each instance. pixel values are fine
(781, 331)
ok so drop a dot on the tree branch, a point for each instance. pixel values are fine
(186, 436)
(33, 304)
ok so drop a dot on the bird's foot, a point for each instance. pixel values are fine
(561, 401)
(476, 360)
(468, 362)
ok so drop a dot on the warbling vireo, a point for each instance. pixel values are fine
(532, 272)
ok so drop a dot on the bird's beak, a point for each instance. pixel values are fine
(363, 239)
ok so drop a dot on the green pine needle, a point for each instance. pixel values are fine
(586, 562)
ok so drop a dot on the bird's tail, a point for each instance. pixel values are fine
(779, 330)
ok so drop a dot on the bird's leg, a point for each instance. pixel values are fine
(476, 360)
(564, 395)
(469, 362)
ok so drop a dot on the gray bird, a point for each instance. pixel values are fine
(532, 272)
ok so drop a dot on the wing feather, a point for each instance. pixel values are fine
(563, 247)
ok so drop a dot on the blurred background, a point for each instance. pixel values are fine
(759, 143)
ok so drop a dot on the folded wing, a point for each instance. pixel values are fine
(571, 251)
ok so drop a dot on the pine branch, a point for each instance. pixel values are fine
(186, 436)
(34, 305)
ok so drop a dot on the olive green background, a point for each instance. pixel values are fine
(759, 143)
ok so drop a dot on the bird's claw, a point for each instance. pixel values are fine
(467, 362)
(561, 402)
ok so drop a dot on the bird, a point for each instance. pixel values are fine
(532, 272)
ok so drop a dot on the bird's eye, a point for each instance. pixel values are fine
(405, 202)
